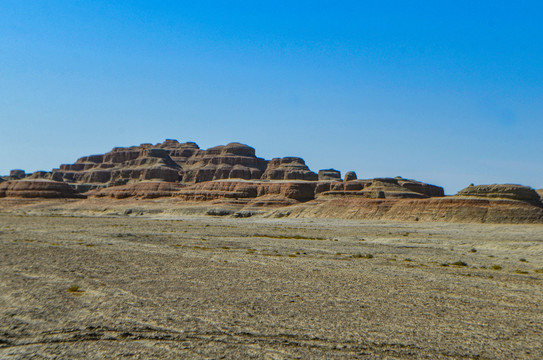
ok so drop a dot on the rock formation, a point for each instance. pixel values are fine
(501, 191)
(540, 192)
(288, 168)
(379, 188)
(443, 209)
(168, 161)
(142, 190)
(329, 174)
(16, 174)
(350, 176)
(244, 190)
(38, 189)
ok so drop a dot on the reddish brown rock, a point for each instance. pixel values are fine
(232, 161)
(329, 175)
(16, 174)
(38, 189)
(443, 209)
(143, 190)
(167, 161)
(501, 191)
(350, 176)
(288, 168)
(120, 166)
(46, 175)
(379, 188)
(231, 189)
(420, 187)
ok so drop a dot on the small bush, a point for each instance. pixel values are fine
(496, 267)
(459, 263)
(360, 256)
(473, 250)
(75, 289)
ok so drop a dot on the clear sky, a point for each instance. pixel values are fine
(446, 92)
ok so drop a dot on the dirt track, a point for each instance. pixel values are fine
(203, 287)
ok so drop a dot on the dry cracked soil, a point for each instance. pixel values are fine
(210, 288)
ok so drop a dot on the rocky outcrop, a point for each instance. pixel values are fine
(16, 174)
(329, 174)
(141, 190)
(540, 192)
(350, 176)
(444, 209)
(168, 161)
(501, 191)
(246, 190)
(38, 189)
(121, 166)
(44, 175)
(380, 188)
(232, 161)
(420, 187)
(288, 168)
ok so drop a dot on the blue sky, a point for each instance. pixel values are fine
(447, 92)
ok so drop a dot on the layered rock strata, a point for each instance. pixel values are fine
(379, 188)
(141, 190)
(38, 189)
(244, 190)
(288, 168)
(350, 176)
(445, 209)
(168, 161)
(501, 191)
(329, 174)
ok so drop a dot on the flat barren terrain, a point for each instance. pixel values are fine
(210, 288)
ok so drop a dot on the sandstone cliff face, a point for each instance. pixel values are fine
(540, 192)
(329, 174)
(379, 188)
(141, 190)
(232, 161)
(501, 191)
(231, 189)
(168, 161)
(16, 174)
(38, 189)
(447, 209)
(350, 176)
(288, 168)
(120, 166)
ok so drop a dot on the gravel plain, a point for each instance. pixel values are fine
(138, 287)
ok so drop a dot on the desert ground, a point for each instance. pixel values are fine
(204, 287)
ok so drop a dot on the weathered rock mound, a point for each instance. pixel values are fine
(120, 166)
(232, 161)
(38, 189)
(501, 191)
(379, 188)
(244, 190)
(168, 161)
(142, 190)
(350, 176)
(288, 168)
(329, 174)
(447, 209)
